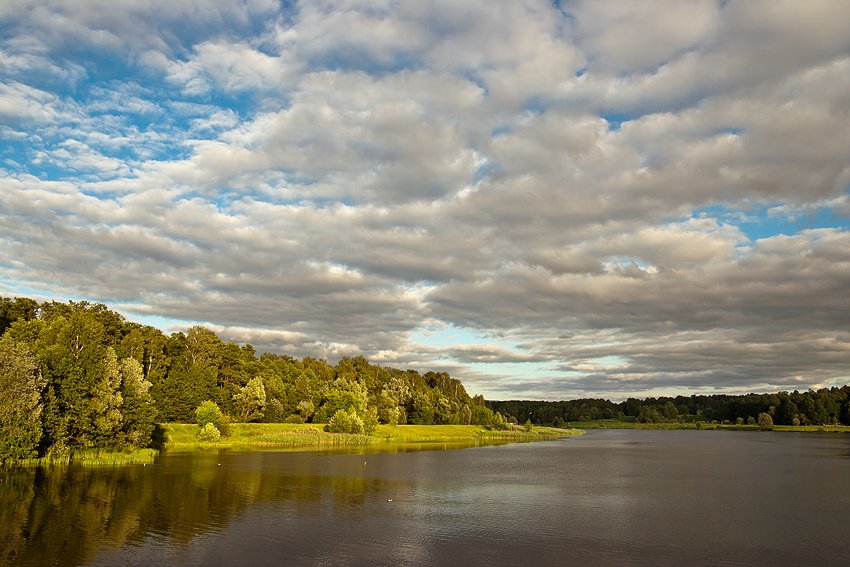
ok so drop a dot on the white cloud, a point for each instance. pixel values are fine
(331, 179)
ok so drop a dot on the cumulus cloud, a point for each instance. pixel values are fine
(582, 198)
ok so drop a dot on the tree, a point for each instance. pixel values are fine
(12, 310)
(21, 385)
(139, 409)
(305, 409)
(209, 412)
(345, 421)
(765, 421)
(251, 400)
(670, 412)
(106, 403)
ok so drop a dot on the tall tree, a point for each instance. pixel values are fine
(21, 385)
(139, 410)
(106, 403)
(251, 400)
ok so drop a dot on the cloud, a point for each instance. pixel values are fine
(601, 199)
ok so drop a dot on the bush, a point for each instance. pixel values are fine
(345, 421)
(294, 418)
(765, 421)
(208, 412)
(209, 432)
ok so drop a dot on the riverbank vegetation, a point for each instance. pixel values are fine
(77, 376)
(246, 436)
(813, 408)
(701, 425)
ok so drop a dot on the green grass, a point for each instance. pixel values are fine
(261, 435)
(94, 458)
(437, 433)
(285, 435)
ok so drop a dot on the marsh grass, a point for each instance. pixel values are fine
(182, 436)
(94, 458)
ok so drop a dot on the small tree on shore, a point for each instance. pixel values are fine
(209, 412)
(345, 421)
(765, 421)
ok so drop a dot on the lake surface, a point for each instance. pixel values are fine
(605, 498)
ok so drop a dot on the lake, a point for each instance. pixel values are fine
(611, 497)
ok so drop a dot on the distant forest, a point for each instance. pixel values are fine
(827, 406)
(77, 375)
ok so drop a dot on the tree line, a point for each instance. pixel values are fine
(78, 375)
(826, 406)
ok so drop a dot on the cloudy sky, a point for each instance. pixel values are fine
(549, 200)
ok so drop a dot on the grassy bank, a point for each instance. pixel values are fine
(93, 458)
(247, 436)
(614, 424)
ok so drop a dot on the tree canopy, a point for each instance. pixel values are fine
(80, 375)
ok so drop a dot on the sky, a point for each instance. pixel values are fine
(548, 200)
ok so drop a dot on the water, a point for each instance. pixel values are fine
(606, 498)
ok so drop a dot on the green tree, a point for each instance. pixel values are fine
(344, 421)
(19, 308)
(106, 403)
(251, 400)
(670, 412)
(21, 385)
(139, 409)
(209, 412)
(305, 409)
(765, 421)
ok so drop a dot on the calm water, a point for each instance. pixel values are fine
(606, 498)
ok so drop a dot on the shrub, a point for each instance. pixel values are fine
(294, 418)
(765, 421)
(345, 421)
(208, 412)
(225, 425)
(209, 432)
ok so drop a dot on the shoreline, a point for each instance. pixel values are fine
(266, 436)
(705, 426)
(285, 437)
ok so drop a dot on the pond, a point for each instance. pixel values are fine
(605, 498)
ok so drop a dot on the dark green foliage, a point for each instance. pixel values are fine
(100, 381)
(821, 407)
(139, 410)
(19, 308)
(21, 386)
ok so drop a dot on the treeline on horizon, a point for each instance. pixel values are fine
(77, 375)
(827, 406)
